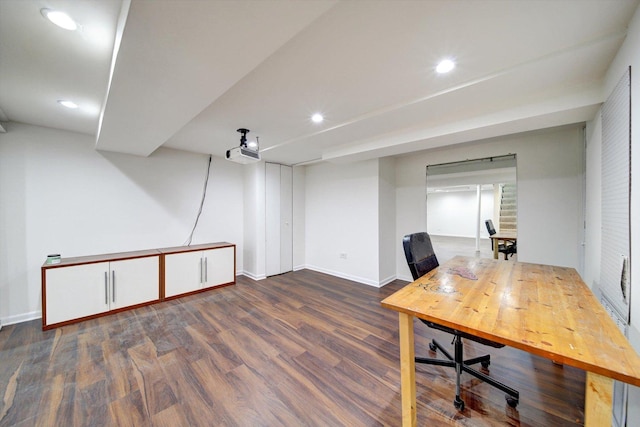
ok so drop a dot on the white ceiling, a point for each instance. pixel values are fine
(187, 74)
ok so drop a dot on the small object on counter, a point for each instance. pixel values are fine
(53, 259)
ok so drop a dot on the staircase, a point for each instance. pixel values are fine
(508, 208)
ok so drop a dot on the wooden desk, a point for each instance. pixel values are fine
(504, 236)
(544, 310)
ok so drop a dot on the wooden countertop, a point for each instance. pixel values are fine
(198, 247)
(92, 259)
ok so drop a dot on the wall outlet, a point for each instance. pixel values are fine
(343, 255)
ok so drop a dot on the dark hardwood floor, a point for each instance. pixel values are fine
(298, 349)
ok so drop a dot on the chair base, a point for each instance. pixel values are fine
(458, 362)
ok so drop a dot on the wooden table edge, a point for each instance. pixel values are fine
(557, 358)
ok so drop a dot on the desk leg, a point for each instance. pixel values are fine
(407, 371)
(495, 248)
(598, 402)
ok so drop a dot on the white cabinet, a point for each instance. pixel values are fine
(220, 266)
(182, 273)
(198, 269)
(74, 290)
(82, 288)
(134, 281)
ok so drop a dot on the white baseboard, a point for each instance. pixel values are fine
(405, 278)
(19, 318)
(387, 280)
(254, 276)
(344, 276)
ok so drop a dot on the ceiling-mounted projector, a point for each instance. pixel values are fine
(245, 153)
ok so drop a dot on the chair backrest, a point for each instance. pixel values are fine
(419, 253)
(490, 227)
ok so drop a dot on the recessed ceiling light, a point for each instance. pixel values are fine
(69, 104)
(445, 66)
(317, 118)
(61, 19)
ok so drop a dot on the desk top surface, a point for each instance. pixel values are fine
(508, 235)
(542, 309)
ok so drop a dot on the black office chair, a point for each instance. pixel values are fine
(508, 249)
(422, 259)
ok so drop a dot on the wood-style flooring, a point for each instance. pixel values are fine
(299, 349)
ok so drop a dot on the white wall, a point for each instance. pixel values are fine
(254, 221)
(299, 213)
(342, 217)
(387, 220)
(550, 182)
(59, 195)
(455, 213)
(593, 203)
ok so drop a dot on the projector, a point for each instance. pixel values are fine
(245, 153)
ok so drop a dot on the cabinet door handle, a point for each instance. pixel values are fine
(201, 270)
(113, 285)
(205, 270)
(106, 289)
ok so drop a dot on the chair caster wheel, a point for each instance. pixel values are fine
(459, 404)
(485, 364)
(432, 346)
(512, 401)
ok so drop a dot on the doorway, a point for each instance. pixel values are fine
(461, 196)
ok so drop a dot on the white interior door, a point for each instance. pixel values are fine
(272, 219)
(278, 217)
(286, 215)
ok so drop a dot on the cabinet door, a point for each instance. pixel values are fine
(76, 291)
(182, 273)
(134, 281)
(219, 266)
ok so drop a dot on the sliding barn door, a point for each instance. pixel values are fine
(279, 231)
(615, 264)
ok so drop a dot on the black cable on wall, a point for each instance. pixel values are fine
(204, 194)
